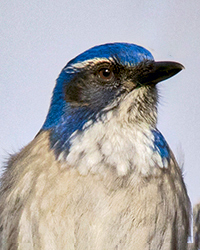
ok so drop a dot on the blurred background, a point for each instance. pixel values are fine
(39, 37)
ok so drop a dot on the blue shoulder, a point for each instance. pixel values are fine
(160, 144)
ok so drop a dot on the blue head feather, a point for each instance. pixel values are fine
(126, 53)
(62, 120)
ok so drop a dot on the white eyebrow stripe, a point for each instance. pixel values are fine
(89, 62)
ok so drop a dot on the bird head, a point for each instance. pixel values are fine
(118, 77)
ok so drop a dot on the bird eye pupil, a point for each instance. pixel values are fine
(105, 74)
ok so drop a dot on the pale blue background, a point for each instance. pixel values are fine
(37, 39)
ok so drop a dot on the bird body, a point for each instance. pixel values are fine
(99, 175)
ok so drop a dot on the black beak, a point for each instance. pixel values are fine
(155, 72)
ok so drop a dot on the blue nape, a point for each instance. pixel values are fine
(73, 121)
(62, 120)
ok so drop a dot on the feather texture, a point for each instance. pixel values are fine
(99, 175)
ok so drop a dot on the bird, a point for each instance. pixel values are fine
(195, 245)
(99, 174)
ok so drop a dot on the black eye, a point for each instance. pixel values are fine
(106, 73)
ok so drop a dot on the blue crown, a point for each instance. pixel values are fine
(127, 53)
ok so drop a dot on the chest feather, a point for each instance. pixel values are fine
(118, 146)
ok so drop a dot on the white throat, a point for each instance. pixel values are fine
(115, 142)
